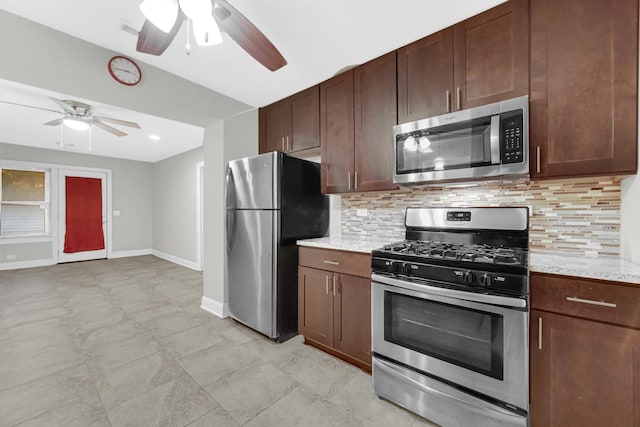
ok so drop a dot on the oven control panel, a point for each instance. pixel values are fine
(458, 216)
(489, 281)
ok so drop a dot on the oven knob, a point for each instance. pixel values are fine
(391, 266)
(486, 280)
(401, 268)
(468, 277)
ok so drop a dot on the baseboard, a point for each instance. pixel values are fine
(176, 260)
(126, 254)
(215, 307)
(27, 264)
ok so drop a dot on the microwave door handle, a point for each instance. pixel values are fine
(494, 140)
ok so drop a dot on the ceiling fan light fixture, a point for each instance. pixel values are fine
(75, 124)
(161, 13)
(206, 31)
(196, 9)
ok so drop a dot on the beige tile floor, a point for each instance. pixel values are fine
(124, 342)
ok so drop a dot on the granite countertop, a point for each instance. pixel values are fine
(346, 243)
(577, 265)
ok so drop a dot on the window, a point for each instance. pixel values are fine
(24, 202)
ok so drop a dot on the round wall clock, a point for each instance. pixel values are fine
(124, 70)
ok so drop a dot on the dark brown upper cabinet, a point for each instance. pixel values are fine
(292, 124)
(375, 107)
(357, 115)
(584, 87)
(336, 133)
(478, 61)
(425, 77)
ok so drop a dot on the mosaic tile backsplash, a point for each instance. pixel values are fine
(576, 215)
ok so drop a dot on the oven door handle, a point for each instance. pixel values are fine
(498, 413)
(453, 293)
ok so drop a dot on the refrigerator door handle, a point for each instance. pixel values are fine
(230, 207)
(230, 195)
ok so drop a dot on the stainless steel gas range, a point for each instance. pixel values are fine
(450, 316)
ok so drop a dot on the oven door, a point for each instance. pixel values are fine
(444, 333)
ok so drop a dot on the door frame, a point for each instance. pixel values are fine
(61, 226)
(200, 215)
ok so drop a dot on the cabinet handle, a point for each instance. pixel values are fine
(538, 159)
(592, 302)
(539, 333)
(355, 180)
(288, 145)
(283, 147)
(349, 179)
(458, 98)
(334, 285)
(448, 102)
(326, 284)
(326, 261)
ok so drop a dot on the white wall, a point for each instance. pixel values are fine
(175, 206)
(630, 214)
(39, 56)
(132, 192)
(235, 138)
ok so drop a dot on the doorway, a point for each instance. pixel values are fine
(82, 219)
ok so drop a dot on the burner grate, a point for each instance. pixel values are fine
(459, 252)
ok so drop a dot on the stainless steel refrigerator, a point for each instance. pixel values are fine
(272, 201)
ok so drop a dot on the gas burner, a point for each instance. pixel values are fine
(458, 252)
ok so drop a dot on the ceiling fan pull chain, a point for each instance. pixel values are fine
(90, 140)
(188, 46)
(61, 140)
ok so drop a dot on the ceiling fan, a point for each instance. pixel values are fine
(165, 17)
(79, 116)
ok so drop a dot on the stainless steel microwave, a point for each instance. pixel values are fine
(483, 142)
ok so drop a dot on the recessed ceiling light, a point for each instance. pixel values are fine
(154, 137)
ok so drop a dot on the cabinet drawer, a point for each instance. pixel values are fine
(590, 299)
(354, 263)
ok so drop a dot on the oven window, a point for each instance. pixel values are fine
(468, 338)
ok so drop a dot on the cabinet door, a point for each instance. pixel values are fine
(491, 55)
(425, 77)
(336, 133)
(375, 102)
(273, 126)
(583, 105)
(305, 120)
(352, 317)
(315, 305)
(583, 373)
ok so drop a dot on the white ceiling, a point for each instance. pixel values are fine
(23, 126)
(317, 38)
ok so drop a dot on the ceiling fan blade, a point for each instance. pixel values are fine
(153, 40)
(55, 122)
(66, 107)
(117, 121)
(248, 37)
(31, 106)
(109, 129)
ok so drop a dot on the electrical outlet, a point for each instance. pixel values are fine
(362, 212)
(116, 213)
(11, 257)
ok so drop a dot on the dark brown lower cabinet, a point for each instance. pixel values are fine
(584, 371)
(315, 305)
(334, 308)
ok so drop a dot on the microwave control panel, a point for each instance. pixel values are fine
(511, 137)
